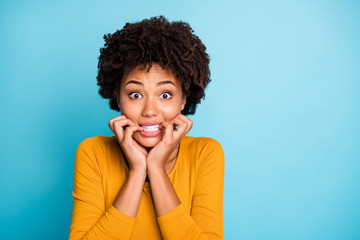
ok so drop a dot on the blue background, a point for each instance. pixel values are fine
(284, 102)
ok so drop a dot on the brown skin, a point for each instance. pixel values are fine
(154, 96)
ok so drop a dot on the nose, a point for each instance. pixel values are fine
(150, 108)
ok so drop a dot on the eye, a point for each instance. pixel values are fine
(166, 95)
(135, 95)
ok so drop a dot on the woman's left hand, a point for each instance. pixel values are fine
(158, 155)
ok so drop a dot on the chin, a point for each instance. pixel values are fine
(147, 142)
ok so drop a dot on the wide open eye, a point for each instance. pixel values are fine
(166, 95)
(135, 95)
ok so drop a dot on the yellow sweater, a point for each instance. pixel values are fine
(197, 177)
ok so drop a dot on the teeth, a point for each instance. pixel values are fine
(152, 128)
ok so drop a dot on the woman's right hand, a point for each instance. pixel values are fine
(124, 128)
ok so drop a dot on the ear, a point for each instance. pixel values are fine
(183, 102)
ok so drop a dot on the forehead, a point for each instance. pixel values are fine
(153, 76)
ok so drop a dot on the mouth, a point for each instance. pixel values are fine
(150, 129)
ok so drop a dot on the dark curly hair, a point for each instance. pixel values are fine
(173, 46)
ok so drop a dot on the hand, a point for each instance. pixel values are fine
(124, 128)
(159, 154)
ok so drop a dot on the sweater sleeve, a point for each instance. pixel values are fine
(206, 218)
(90, 219)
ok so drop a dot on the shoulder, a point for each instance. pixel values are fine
(201, 143)
(97, 143)
(205, 150)
(94, 149)
(206, 156)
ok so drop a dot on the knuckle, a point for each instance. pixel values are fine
(129, 129)
(117, 124)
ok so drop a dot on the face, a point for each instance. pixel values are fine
(150, 98)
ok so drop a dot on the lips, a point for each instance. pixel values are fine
(151, 129)
(149, 123)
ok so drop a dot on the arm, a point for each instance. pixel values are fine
(206, 218)
(90, 219)
(129, 196)
(163, 193)
(205, 221)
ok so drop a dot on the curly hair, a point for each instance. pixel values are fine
(174, 46)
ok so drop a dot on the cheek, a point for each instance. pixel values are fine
(171, 111)
(132, 115)
(129, 110)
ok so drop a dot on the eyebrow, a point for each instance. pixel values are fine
(158, 84)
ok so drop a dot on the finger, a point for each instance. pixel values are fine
(118, 127)
(118, 117)
(168, 128)
(130, 131)
(140, 147)
(111, 121)
(181, 129)
(177, 117)
(119, 124)
(187, 120)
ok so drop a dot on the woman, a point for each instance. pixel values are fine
(150, 180)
